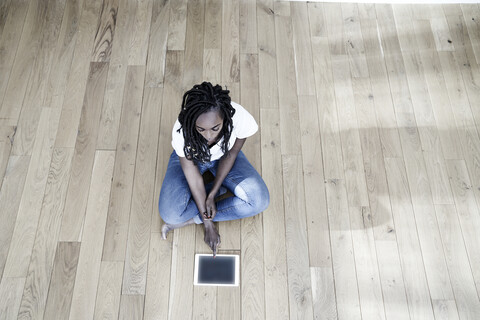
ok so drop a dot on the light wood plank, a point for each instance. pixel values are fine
(136, 257)
(315, 199)
(302, 49)
(416, 287)
(248, 26)
(327, 113)
(334, 28)
(102, 48)
(116, 81)
(88, 270)
(387, 122)
(229, 304)
(467, 63)
(78, 77)
(60, 292)
(121, 197)
(43, 252)
(348, 126)
(354, 41)
(267, 65)
(11, 296)
(276, 290)
(194, 39)
(375, 179)
(427, 127)
(107, 303)
(177, 25)
(316, 19)
(346, 288)
(468, 213)
(12, 186)
(213, 24)
(287, 87)
(181, 278)
(323, 293)
(253, 296)
(230, 41)
(393, 287)
(131, 307)
(36, 89)
(158, 278)
(366, 265)
(172, 95)
(83, 157)
(456, 256)
(7, 135)
(471, 14)
(442, 109)
(140, 33)
(157, 44)
(21, 69)
(299, 282)
(4, 9)
(30, 206)
(64, 52)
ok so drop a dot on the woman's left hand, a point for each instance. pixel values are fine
(211, 207)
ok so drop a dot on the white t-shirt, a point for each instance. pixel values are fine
(244, 126)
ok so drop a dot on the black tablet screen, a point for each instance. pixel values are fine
(220, 270)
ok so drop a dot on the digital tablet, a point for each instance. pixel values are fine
(223, 270)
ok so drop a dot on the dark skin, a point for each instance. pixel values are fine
(209, 125)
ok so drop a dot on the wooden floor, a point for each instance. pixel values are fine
(369, 143)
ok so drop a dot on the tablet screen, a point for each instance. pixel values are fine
(223, 270)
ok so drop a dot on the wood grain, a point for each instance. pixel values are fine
(43, 252)
(136, 257)
(12, 186)
(267, 64)
(177, 25)
(157, 44)
(158, 278)
(346, 287)
(79, 75)
(296, 240)
(194, 42)
(88, 270)
(121, 197)
(131, 307)
(230, 42)
(107, 304)
(275, 259)
(63, 278)
(31, 203)
(105, 34)
(408, 243)
(83, 158)
(10, 292)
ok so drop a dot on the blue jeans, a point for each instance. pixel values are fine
(176, 204)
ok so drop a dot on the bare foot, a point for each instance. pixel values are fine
(166, 228)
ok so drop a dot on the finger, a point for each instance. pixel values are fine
(214, 250)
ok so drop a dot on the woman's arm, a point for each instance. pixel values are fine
(195, 182)
(224, 167)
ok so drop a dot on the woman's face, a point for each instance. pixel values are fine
(209, 125)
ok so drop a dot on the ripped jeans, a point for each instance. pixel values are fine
(176, 204)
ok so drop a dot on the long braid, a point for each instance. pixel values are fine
(200, 99)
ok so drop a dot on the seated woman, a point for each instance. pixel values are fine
(209, 135)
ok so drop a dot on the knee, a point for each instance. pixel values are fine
(259, 197)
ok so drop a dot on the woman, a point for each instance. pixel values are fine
(208, 135)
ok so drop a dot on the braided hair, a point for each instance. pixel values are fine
(200, 99)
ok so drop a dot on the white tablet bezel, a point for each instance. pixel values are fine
(237, 270)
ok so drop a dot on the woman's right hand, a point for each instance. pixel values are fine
(212, 237)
